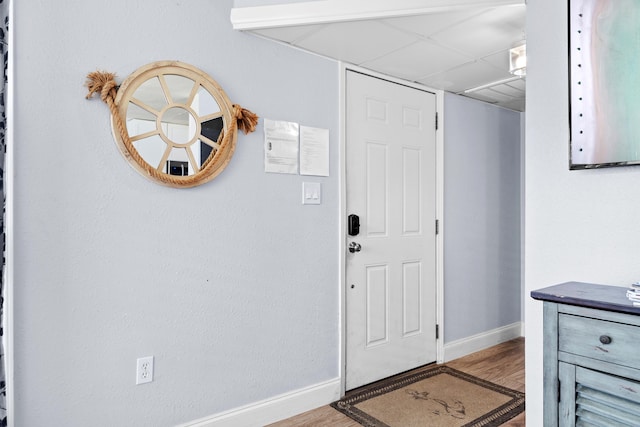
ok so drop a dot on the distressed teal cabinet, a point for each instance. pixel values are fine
(591, 356)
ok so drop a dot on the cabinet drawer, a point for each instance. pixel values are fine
(599, 339)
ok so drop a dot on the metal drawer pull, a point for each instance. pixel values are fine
(604, 339)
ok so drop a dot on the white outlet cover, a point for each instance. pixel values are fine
(144, 370)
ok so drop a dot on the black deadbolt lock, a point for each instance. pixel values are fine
(354, 225)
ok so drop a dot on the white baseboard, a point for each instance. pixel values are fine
(274, 409)
(465, 346)
(296, 402)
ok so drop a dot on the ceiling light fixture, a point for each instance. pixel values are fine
(518, 60)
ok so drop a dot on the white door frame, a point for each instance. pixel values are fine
(343, 211)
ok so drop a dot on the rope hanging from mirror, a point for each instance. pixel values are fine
(104, 84)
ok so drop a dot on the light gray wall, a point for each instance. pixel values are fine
(250, 3)
(232, 286)
(580, 225)
(482, 221)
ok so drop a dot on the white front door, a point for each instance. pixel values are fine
(391, 187)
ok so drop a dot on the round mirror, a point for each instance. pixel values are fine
(179, 124)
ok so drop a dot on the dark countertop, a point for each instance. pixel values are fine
(604, 297)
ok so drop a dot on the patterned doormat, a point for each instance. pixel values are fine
(438, 396)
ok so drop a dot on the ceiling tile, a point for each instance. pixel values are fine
(485, 34)
(453, 51)
(498, 59)
(479, 97)
(519, 84)
(515, 104)
(513, 16)
(467, 76)
(417, 60)
(425, 25)
(492, 94)
(507, 89)
(356, 41)
(288, 34)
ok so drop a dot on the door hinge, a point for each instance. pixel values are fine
(437, 226)
(437, 331)
(436, 120)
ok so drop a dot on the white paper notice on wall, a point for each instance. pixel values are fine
(314, 151)
(281, 146)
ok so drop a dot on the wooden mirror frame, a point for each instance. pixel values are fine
(224, 147)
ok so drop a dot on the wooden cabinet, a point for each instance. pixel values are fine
(591, 356)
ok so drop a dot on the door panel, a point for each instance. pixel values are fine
(377, 309)
(412, 304)
(377, 207)
(390, 157)
(412, 206)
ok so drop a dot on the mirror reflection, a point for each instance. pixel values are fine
(174, 123)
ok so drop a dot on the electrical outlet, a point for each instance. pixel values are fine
(144, 370)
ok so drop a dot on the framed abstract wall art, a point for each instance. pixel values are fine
(604, 43)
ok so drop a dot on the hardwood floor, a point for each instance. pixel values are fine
(502, 364)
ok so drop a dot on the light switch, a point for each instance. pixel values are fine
(311, 193)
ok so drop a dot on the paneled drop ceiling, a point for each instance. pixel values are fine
(461, 46)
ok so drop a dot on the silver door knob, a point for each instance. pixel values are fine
(354, 247)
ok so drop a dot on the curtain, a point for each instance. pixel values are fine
(4, 50)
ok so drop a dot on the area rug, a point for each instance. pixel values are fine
(438, 396)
